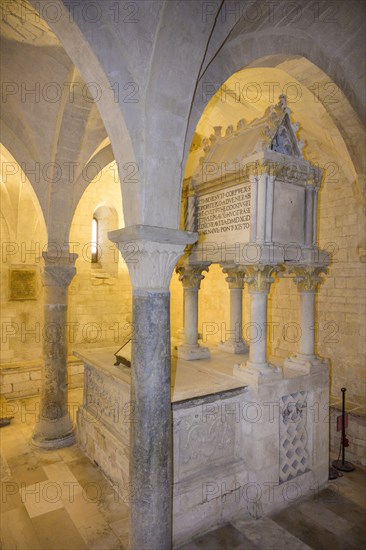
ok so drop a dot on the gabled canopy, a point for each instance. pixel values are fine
(273, 131)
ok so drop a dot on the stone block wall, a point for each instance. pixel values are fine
(341, 302)
(23, 379)
(355, 433)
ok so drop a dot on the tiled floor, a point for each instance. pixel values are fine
(60, 500)
(334, 519)
(55, 499)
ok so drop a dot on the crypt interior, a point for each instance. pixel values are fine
(182, 274)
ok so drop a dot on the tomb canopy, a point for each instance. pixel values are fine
(253, 199)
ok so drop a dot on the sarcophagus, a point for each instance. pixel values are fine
(254, 197)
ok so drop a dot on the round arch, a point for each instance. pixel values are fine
(272, 49)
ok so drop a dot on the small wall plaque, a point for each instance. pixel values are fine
(23, 284)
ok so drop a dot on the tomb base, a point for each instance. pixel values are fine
(233, 455)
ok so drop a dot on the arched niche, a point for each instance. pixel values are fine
(106, 219)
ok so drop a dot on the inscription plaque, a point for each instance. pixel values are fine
(225, 215)
(23, 284)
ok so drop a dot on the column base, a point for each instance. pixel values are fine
(306, 363)
(231, 346)
(54, 434)
(191, 353)
(256, 374)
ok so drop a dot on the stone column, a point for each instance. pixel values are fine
(155, 253)
(54, 427)
(191, 276)
(257, 369)
(235, 343)
(307, 280)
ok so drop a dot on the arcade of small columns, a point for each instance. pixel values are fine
(259, 279)
(157, 253)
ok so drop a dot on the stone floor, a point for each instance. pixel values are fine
(333, 519)
(60, 500)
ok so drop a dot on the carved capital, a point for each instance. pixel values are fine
(235, 277)
(59, 270)
(151, 254)
(307, 277)
(259, 277)
(191, 275)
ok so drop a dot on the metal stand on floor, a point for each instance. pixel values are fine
(343, 465)
(333, 474)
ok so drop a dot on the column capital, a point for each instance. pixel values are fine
(59, 270)
(307, 277)
(191, 275)
(235, 277)
(151, 253)
(259, 277)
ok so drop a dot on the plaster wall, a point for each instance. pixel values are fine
(100, 293)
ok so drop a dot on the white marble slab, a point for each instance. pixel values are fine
(189, 379)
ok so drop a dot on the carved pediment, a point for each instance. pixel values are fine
(284, 140)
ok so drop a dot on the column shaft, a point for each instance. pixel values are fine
(191, 276)
(307, 279)
(54, 428)
(191, 316)
(236, 312)
(235, 343)
(307, 321)
(258, 330)
(158, 250)
(151, 429)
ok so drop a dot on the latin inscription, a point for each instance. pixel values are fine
(23, 284)
(224, 211)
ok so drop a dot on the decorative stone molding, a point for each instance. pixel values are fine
(307, 277)
(190, 218)
(58, 271)
(151, 253)
(191, 275)
(259, 277)
(236, 277)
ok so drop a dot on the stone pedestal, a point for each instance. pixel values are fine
(191, 276)
(150, 466)
(257, 369)
(235, 343)
(54, 428)
(307, 280)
